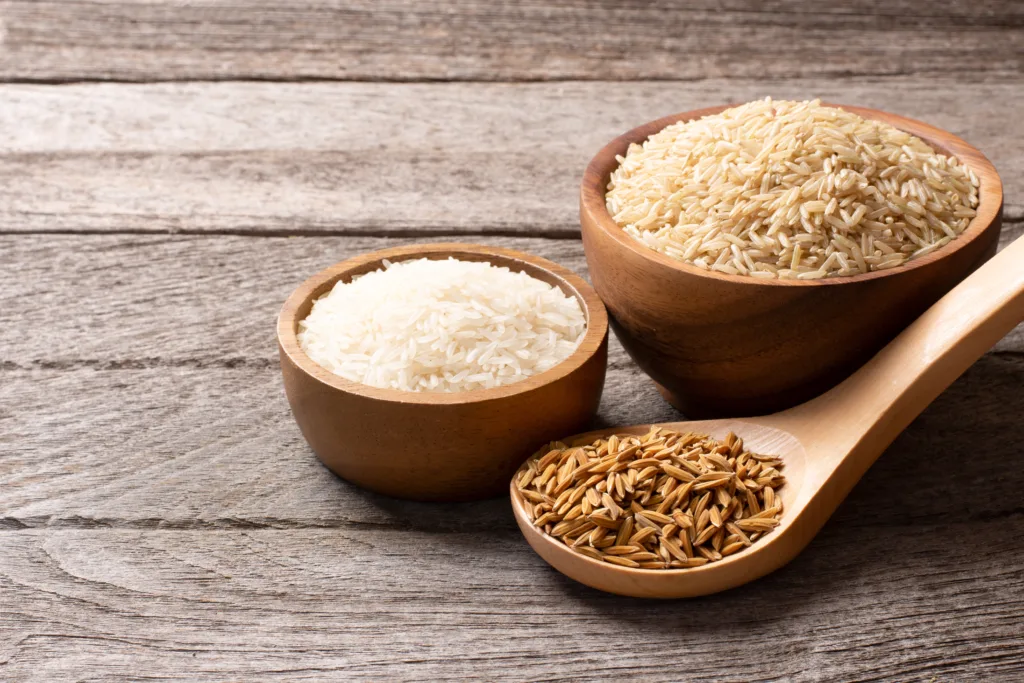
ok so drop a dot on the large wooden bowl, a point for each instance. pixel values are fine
(440, 446)
(719, 344)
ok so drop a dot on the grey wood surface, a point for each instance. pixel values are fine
(161, 517)
(374, 158)
(54, 40)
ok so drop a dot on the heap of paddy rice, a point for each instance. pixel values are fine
(783, 189)
(664, 500)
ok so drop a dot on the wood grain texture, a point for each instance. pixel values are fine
(159, 366)
(176, 568)
(869, 603)
(197, 447)
(186, 301)
(402, 159)
(53, 40)
(161, 516)
(187, 447)
(196, 301)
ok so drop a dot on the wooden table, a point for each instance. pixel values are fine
(172, 169)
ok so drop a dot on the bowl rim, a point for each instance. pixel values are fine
(595, 178)
(321, 282)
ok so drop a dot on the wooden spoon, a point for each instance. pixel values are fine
(828, 443)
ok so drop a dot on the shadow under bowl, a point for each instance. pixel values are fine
(440, 446)
(731, 345)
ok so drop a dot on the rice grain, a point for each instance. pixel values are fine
(661, 523)
(785, 189)
(442, 326)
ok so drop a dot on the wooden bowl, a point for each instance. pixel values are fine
(440, 446)
(719, 344)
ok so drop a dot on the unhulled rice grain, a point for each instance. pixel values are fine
(664, 500)
(442, 326)
(784, 189)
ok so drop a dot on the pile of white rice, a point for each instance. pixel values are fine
(442, 326)
(781, 189)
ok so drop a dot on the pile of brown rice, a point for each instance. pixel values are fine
(783, 189)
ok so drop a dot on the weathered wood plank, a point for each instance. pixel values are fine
(361, 158)
(160, 515)
(301, 605)
(159, 402)
(185, 447)
(479, 40)
(187, 300)
(180, 446)
(191, 299)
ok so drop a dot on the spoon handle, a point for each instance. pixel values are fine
(859, 418)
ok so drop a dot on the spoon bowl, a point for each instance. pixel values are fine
(767, 554)
(826, 444)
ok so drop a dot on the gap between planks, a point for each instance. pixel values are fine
(1011, 225)
(428, 232)
(835, 75)
(493, 528)
(237, 363)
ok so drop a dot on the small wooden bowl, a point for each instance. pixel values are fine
(440, 446)
(719, 344)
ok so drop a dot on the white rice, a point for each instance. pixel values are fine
(781, 189)
(441, 325)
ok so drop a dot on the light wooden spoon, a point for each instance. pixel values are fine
(828, 443)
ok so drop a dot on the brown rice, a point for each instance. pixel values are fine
(783, 189)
